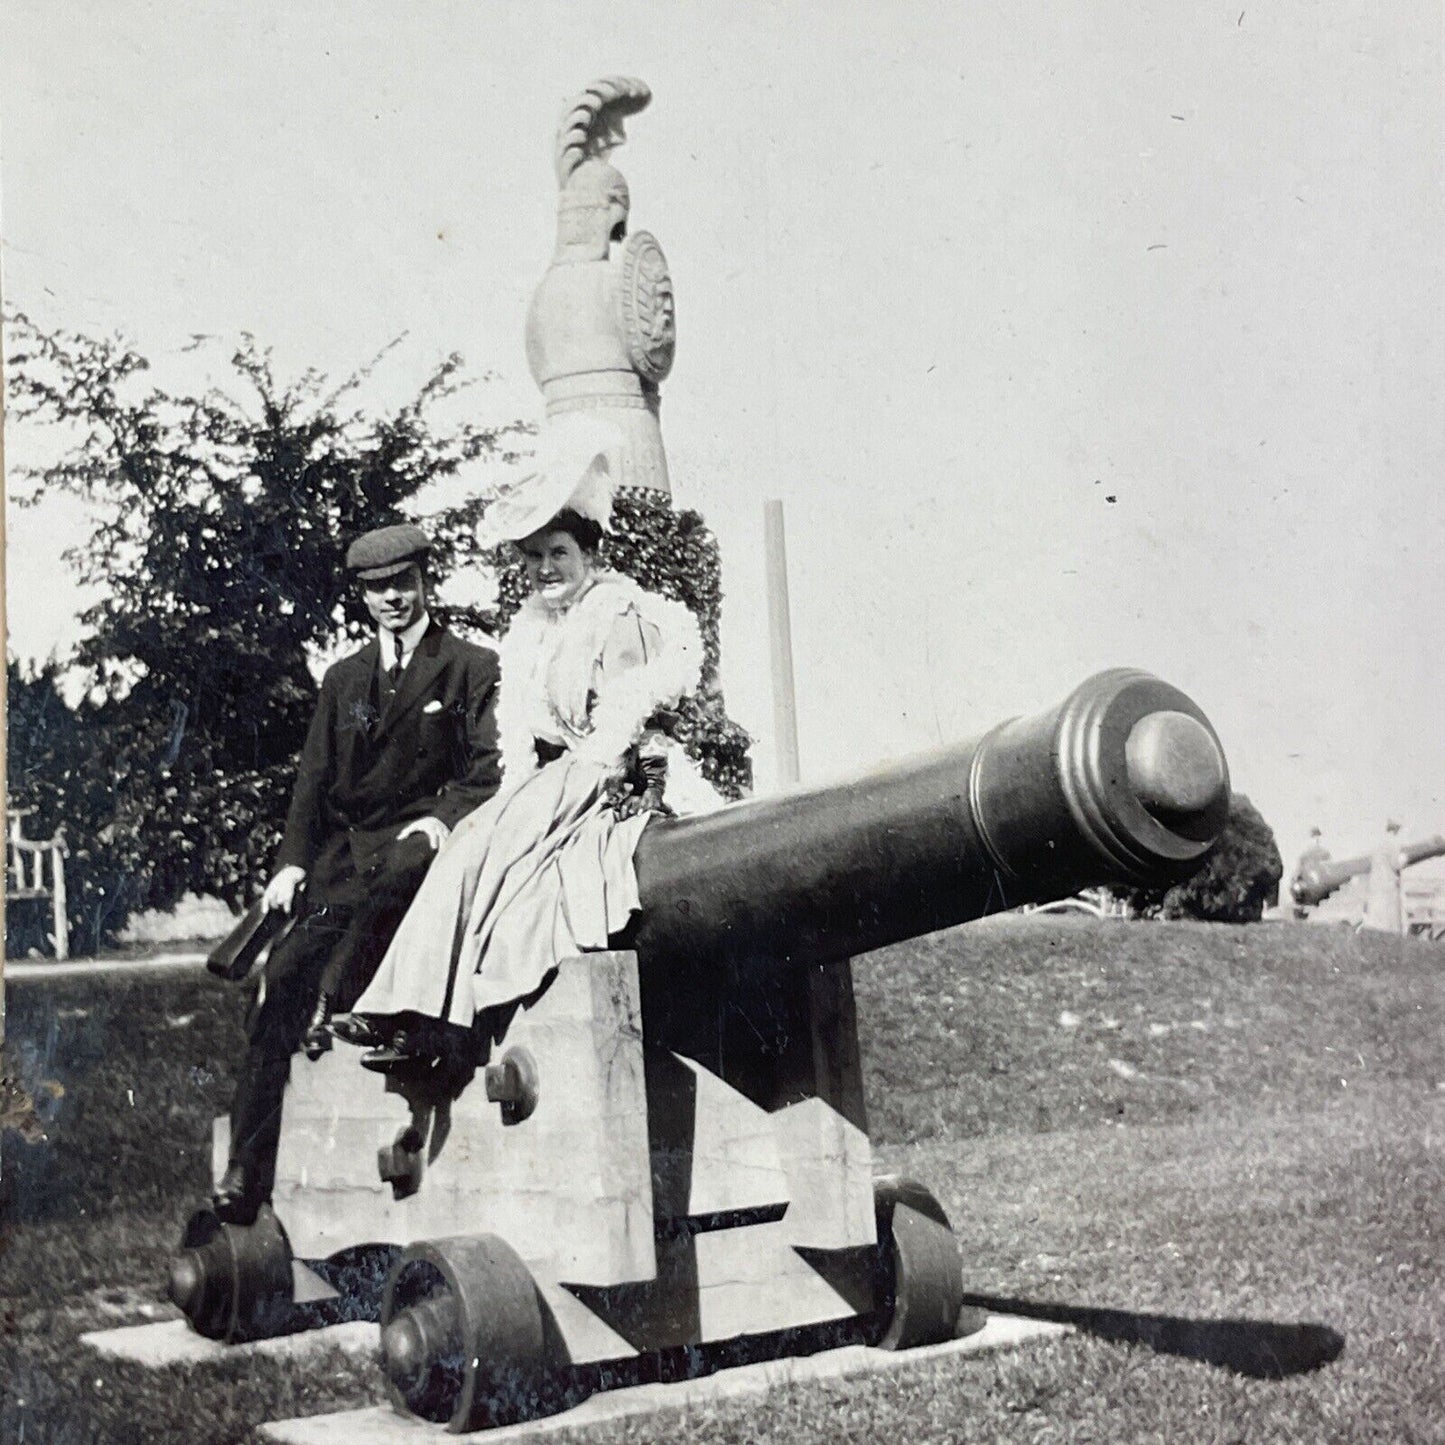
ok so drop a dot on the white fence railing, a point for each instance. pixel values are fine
(35, 868)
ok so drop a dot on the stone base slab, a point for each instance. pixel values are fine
(380, 1425)
(174, 1342)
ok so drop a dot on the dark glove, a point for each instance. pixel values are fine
(642, 790)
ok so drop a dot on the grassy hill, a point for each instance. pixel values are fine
(1061, 1022)
(1218, 1151)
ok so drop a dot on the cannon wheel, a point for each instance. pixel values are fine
(920, 1269)
(233, 1281)
(463, 1333)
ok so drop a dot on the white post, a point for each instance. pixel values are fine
(780, 646)
(57, 901)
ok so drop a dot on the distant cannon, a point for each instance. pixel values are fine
(669, 1147)
(1315, 881)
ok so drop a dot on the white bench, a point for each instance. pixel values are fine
(29, 875)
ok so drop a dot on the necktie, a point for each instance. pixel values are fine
(394, 671)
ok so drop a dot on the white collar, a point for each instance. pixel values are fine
(410, 637)
(556, 613)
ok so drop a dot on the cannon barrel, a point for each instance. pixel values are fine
(1315, 883)
(1123, 782)
(1418, 852)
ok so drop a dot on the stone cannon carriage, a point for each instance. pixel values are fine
(668, 1147)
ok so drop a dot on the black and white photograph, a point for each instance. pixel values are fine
(723, 722)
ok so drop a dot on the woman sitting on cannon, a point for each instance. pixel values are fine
(543, 870)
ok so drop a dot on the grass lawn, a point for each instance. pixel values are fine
(1220, 1152)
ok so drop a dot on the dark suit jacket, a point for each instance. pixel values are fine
(364, 773)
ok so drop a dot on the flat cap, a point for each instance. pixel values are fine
(386, 551)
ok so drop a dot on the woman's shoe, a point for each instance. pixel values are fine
(400, 1058)
(357, 1029)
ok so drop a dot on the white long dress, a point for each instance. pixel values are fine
(544, 870)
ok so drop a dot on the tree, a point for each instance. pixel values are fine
(222, 524)
(1238, 879)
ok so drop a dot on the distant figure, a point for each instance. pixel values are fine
(1315, 854)
(1384, 902)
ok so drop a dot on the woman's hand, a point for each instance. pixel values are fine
(627, 800)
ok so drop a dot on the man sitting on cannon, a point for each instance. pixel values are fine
(401, 747)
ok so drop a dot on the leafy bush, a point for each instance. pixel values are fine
(1238, 879)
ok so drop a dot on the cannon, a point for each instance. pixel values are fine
(1315, 881)
(667, 1149)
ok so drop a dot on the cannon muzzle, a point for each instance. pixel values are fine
(1315, 883)
(1123, 782)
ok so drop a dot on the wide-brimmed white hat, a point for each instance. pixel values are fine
(577, 464)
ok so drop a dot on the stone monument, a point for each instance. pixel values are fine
(1384, 902)
(601, 329)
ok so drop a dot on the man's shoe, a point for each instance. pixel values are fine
(234, 1201)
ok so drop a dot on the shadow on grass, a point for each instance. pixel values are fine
(1260, 1349)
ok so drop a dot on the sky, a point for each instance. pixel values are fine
(1070, 337)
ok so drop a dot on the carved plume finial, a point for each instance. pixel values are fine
(592, 123)
(602, 327)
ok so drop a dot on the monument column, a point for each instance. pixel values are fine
(1384, 903)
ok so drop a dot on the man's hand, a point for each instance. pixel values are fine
(281, 890)
(436, 831)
